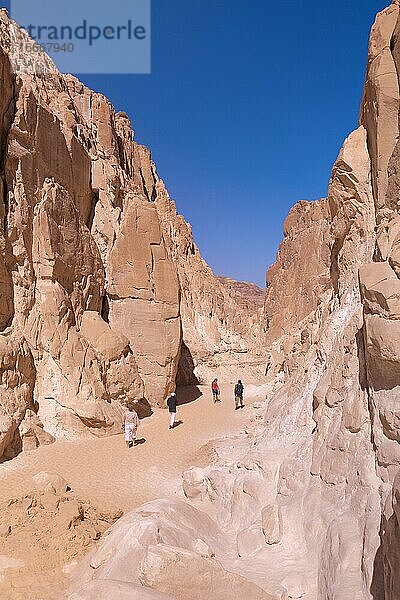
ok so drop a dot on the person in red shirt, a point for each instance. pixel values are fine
(215, 391)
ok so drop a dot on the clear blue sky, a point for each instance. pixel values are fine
(245, 111)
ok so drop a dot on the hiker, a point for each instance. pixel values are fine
(268, 365)
(171, 403)
(239, 395)
(130, 424)
(215, 391)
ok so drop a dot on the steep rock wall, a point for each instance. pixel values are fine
(93, 289)
(348, 372)
(310, 496)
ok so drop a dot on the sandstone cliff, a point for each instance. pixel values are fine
(98, 272)
(336, 339)
(305, 503)
(311, 495)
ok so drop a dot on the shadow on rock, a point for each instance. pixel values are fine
(185, 375)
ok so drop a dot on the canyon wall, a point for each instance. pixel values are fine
(102, 288)
(332, 313)
(308, 497)
(105, 297)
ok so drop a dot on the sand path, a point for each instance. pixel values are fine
(106, 473)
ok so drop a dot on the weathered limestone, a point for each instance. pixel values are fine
(310, 496)
(93, 318)
(93, 278)
(381, 89)
(271, 517)
(155, 546)
(349, 370)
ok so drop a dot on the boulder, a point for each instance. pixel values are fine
(380, 289)
(271, 523)
(50, 482)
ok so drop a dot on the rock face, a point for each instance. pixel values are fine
(336, 339)
(154, 547)
(311, 495)
(95, 290)
(250, 292)
(306, 504)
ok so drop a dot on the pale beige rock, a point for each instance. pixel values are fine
(32, 432)
(153, 546)
(249, 541)
(327, 500)
(95, 265)
(194, 484)
(104, 340)
(381, 89)
(203, 549)
(16, 385)
(50, 482)
(308, 224)
(310, 494)
(295, 585)
(197, 576)
(271, 522)
(380, 289)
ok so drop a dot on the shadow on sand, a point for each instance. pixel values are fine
(140, 441)
(177, 423)
(187, 393)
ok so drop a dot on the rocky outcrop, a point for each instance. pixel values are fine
(250, 292)
(337, 337)
(221, 327)
(155, 547)
(311, 494)
(98, 273)
(299, 277)
(305, 503)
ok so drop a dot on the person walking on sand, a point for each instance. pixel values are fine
(239, 389)
(130, 424)
(171, 403)
(215, 391)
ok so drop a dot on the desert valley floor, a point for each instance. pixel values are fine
(110, 477)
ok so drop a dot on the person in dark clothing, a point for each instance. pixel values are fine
(215, 391)
(268, 366)
(171, 403)
(239, 389)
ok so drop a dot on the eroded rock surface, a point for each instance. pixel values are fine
(166, 546)
(310, 495)
(305, 503)
(99, 275)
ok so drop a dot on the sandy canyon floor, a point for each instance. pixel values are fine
(105, 478)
